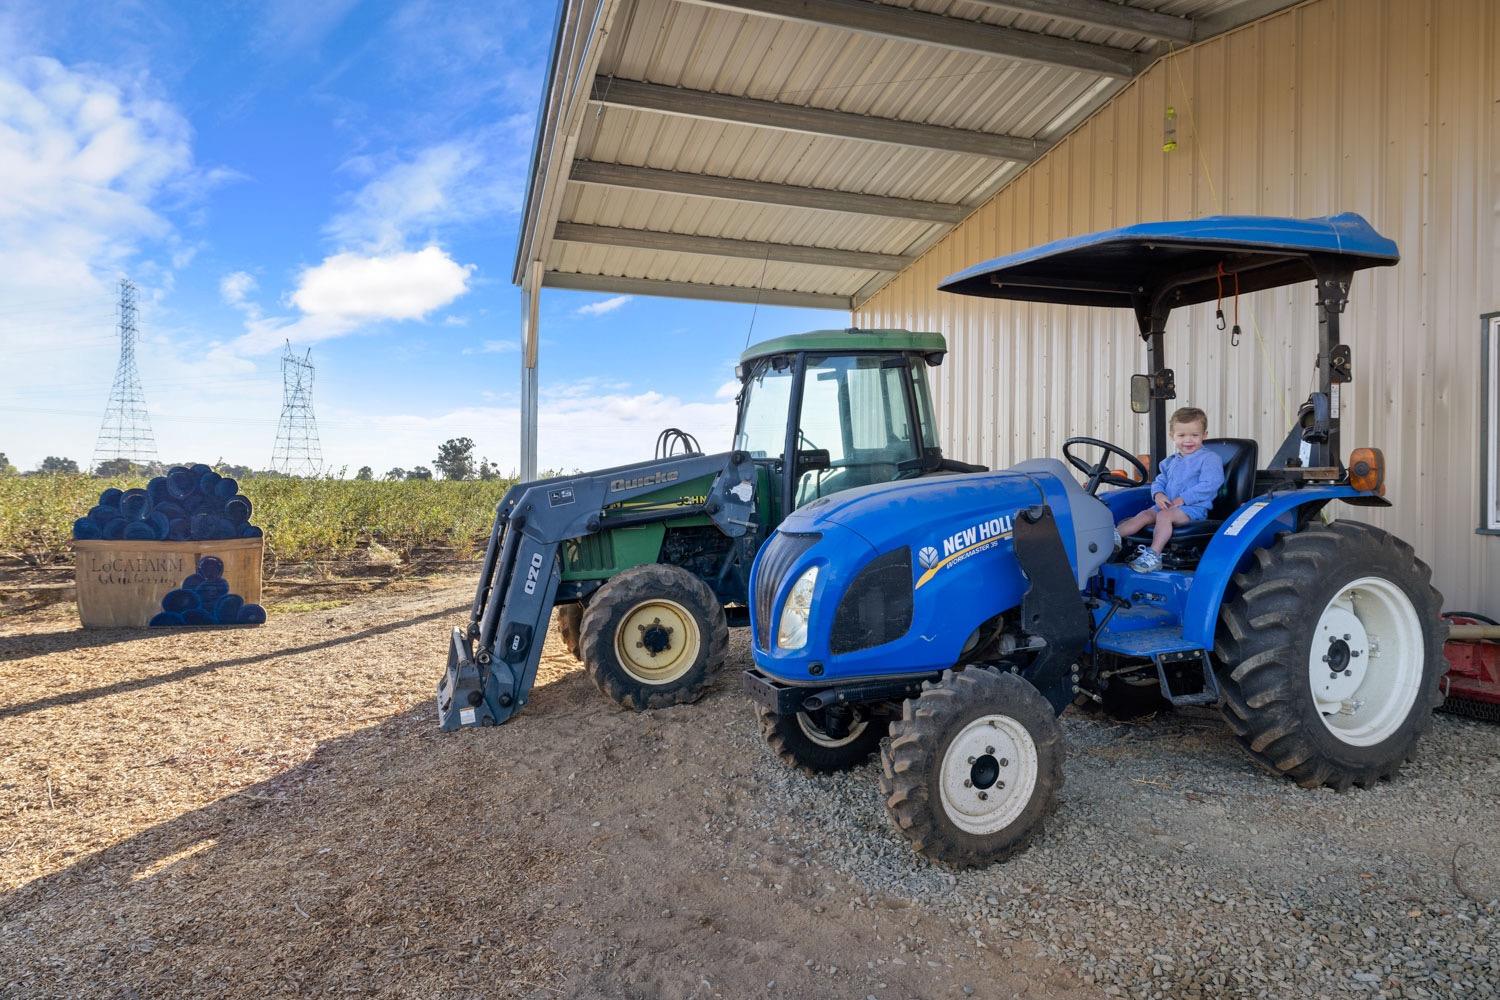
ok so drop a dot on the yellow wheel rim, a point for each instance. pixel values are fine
(657, 641)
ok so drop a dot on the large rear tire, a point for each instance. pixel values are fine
(1332, 652)
(973, 767)
(653, 636)
(570, 626)
(801, 741)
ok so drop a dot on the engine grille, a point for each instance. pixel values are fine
(780, 552)
(877, 607)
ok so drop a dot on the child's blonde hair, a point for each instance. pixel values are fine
(1189, 415)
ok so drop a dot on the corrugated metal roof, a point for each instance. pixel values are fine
(596, 111)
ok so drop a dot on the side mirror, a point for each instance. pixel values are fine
(1140, 393)
(813, 459)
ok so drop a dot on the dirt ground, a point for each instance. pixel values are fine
(272, 812)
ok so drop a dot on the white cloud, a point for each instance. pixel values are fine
(87, 163)
(235, 286)
(579, 428)
(494, 347)
(83, 161)
(606, 306)
(393, 286)
(460, 181)
(349, 290)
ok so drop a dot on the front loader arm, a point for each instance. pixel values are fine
(493, 663)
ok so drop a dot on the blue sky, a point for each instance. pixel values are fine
(347, 175)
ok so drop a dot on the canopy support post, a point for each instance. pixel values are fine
(1152, 320)
(1335, 366)
(531, 290)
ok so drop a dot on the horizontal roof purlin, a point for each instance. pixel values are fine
(816, 146)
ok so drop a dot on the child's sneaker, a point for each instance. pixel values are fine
(1147, 560)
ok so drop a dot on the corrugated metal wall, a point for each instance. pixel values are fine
(1389, 108)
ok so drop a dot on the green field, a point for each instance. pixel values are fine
(305, 520)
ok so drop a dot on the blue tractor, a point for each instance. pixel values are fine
(948, 621)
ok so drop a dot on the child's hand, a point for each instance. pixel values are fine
(1162, 503)
(1178, 502)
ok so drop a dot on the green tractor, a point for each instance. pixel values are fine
(648, 564)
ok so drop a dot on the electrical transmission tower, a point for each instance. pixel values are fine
(126, 431)
(298, 452)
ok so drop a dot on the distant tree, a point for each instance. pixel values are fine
(455, 458)
(488, 471)
(420, 472)
(231, 470)
(117, 467)
(395, 474)
(365, 474)
(6, 469)
(52, 466)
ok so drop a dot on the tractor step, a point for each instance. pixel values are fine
(1207, 695)
(1145, 642)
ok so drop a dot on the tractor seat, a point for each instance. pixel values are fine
(1241, 457)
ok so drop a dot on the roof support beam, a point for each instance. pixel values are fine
(762, 193)
(689, 290)
(1104, 14)
(818, 121)
(716, 246)
(877, 19)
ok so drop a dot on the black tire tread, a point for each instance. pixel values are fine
(1263, 669)
(792, 748)
(570, 626)
(627, 589)
(905, 756)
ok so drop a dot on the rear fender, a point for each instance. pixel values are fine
(1255, 525)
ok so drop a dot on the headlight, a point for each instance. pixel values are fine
(792, 632)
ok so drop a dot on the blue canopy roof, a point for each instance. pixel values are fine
(1133, 265)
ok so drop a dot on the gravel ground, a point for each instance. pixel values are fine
(271, 812)
(1174, 867)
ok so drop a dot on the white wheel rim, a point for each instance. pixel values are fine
(811, 731)
(988, 775)
(1366, 661)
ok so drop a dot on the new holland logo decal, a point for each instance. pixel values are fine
(962, 544)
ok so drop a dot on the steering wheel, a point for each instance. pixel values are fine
(1100, 473)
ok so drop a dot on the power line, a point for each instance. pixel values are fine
(297, 451)
(126, 430)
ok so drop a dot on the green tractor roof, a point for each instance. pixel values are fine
(853, 339)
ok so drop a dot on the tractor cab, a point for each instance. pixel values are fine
(830, 410)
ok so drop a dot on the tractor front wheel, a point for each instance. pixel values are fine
(973, 767)
(569, 626)
(1332, 652)
(817, 744)
(653, 636)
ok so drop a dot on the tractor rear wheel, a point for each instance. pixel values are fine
(973, 767)
(653, 636)
(1332, 652)
(569, 626)
(802, 740)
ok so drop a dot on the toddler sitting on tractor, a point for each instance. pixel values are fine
(1182, 491)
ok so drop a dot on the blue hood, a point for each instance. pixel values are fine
(891, 514)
